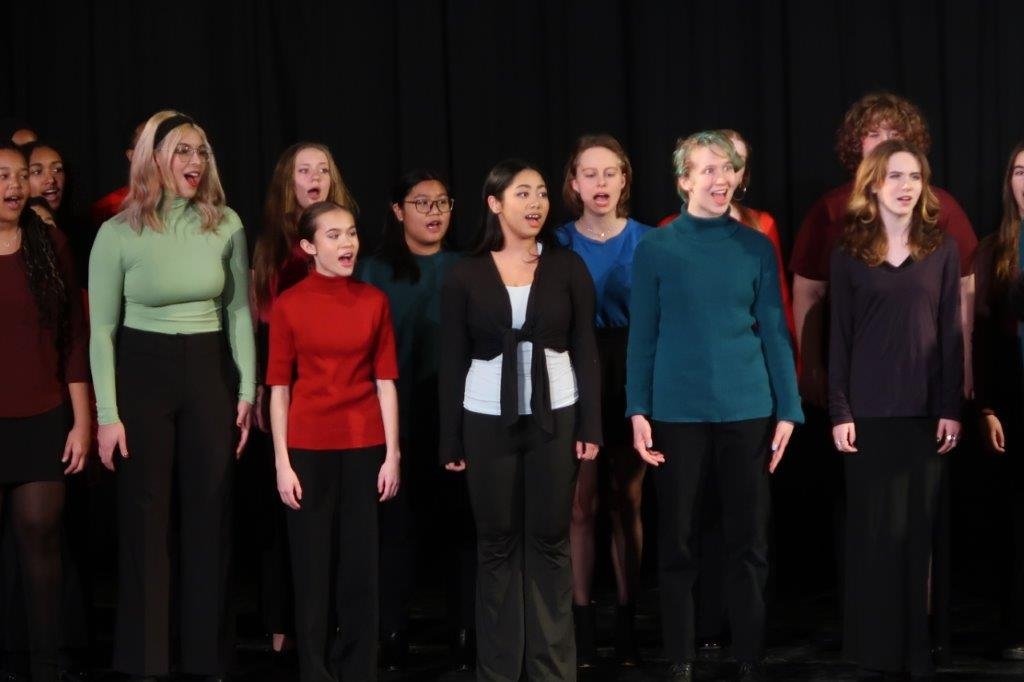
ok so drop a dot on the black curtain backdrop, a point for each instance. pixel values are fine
(459, 85)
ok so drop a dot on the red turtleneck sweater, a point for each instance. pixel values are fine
(331, 339)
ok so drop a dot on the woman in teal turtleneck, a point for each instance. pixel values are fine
(710, 378)
(409, 267)
(170, 392)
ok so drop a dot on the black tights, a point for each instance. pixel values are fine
(35, 509)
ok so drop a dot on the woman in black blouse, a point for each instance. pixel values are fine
(895, 381)
(520, 404)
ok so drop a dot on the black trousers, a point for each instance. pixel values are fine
(335, 533)
(739, 451)
(892, 495)
(176, 396)
(521, 484)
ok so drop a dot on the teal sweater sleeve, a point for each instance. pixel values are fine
(775, 341)
(708, 340)
(106, 286)
(238, 317)
(643, 331)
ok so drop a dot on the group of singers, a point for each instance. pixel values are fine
(541, 367)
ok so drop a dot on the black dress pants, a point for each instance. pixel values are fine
(334, 533)
(521, 483)
(739, 451)
(892, 495)
(176, 396)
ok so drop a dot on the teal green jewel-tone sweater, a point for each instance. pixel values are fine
(707, 337)
(416, 313)
(177, 281)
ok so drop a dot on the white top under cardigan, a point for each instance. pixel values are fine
(483, 381)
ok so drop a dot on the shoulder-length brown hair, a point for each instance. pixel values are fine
(150, 176)
(281, 213)
(1007, 238)
(864, 237)
(572, 198)
(870, 112)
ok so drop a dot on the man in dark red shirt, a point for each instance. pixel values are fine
(874, 118)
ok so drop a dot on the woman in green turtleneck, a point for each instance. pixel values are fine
(170, 392)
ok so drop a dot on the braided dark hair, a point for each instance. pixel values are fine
(45, 277)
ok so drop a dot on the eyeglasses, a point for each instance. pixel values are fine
(443, 205)
(185, 151)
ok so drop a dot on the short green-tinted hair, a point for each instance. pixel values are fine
(705, 138)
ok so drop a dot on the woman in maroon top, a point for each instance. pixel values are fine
(305, 174)
(42, 362)
(999, 395)
(895, 387)
(334, 415)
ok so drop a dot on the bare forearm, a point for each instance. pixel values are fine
(387, 394)
(280, 399)
(79, 392)
(808, 302)
(967, 296)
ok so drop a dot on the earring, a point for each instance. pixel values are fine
(740, 194)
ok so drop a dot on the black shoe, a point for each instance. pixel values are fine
(1013, 653)
(627, 653)
(750, 672)
(464, 651)
(709, 646)
(68, 675)
(942, 657)
(680, 672)
(394, 653)
(867, 675)
(9, 676)
(586, 648)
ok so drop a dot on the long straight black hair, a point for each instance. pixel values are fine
(498, 180)
(393, 249)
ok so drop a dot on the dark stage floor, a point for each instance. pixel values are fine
(803, 645)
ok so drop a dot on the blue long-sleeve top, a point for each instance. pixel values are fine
(707, 339)
(611, 265)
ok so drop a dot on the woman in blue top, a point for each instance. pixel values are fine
(596, 190)
(710, 378)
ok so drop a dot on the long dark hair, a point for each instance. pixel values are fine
(393, 249)
(1008, 236)
(498, 180)
(45, 278)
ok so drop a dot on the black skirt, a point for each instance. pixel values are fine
(32, 446)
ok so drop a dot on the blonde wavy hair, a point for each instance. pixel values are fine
(864, 237)
(150, 177)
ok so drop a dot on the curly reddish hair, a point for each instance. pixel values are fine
(870, 112)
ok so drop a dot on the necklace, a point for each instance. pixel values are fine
(600, 234)
(17, 233)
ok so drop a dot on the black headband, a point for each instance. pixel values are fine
(169, 124)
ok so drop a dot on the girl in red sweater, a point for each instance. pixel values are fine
(334, 417)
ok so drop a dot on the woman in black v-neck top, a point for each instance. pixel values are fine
(895, 381)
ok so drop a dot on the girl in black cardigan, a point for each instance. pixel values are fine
(519, 396)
